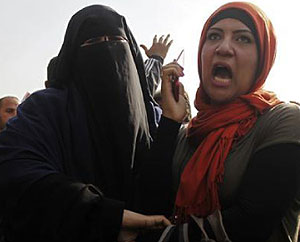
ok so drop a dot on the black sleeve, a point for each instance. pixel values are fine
(38, 199)
(155, 176)
(266, 192)
(58, 209)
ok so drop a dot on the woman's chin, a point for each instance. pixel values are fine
(220, 97)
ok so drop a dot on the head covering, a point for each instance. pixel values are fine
(100, 58)
(51, 68)
(216, 127)
(50, 71)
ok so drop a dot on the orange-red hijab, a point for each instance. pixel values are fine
(216, 128)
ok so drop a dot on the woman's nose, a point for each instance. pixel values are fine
(225, 48)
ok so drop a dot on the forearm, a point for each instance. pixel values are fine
(155, 176)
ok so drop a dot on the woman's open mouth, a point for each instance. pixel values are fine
(222, 75)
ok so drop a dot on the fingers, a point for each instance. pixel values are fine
(155, 39)
(165, 41)
(157, 222)
(181, 89)
(169, 44)
(161, 39)
(132, 220)
(159, 47)
(175, 61)
(146, 50)
(170, 72)
(144, 47)
(172, 68)
(165, 222)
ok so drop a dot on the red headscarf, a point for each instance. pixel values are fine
(216, 127)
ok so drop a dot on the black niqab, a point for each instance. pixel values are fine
(111, 80)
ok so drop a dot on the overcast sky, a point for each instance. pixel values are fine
(32, 31)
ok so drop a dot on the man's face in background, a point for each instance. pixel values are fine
(8, 109)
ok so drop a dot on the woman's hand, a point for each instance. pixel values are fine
(133, 222)
(176, 111)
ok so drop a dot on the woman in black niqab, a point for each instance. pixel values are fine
(101, 59)
(93, 125)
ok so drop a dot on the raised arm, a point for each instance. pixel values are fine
(156, 54)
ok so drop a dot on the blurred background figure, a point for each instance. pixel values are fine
(8, 109)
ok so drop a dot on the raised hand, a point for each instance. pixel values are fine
(159, 47)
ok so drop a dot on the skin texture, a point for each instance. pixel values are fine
(8, 109)
(229, 43)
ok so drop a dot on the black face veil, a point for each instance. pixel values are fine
(101, 59)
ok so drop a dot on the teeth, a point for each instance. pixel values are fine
(223, 80)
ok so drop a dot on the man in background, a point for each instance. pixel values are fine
(8, 109)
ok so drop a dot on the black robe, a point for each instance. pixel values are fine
(80, 139)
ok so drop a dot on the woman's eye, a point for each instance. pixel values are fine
(213, 36)
(244, 39)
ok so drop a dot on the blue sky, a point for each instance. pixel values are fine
(32, 32)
